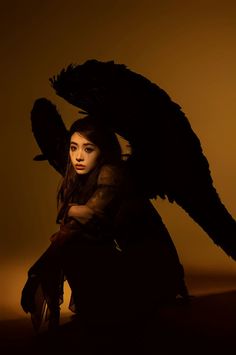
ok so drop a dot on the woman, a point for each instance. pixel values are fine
(112, 246)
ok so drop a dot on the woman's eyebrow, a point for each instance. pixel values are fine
(89, 144)
(84, 144)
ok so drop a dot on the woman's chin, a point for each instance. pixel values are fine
(81, 172)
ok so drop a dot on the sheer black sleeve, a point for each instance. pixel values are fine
(103, 204)
(105, 197)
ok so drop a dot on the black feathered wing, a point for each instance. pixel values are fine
(50, 133)
(167, 158)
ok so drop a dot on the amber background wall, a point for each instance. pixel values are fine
(186, 47)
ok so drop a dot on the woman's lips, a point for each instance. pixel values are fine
(79, 167)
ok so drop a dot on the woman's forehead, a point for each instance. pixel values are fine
(78, 138)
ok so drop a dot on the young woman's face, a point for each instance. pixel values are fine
(84, 155)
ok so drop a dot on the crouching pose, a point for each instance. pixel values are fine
(112, 246)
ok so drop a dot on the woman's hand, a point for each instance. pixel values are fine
(66, 232)
(59, 238)
(82, 214)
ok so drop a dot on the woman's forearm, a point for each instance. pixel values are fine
(81, 212)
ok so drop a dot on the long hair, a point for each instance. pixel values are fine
(106, 140)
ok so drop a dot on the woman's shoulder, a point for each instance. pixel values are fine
(111, 174)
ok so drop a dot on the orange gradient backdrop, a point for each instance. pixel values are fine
(186, 47)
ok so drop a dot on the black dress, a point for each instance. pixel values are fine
(118, 264)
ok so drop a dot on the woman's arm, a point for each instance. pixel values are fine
(81, 212)
(108, 186)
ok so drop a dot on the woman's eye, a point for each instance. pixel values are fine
(72, 148)
(89, 150)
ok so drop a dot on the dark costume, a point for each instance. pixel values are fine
(118, 264)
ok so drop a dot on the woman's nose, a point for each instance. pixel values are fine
(79, 156)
